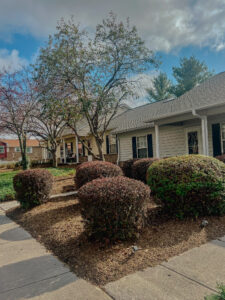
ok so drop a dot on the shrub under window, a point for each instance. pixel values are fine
(189, 185)
(140, 167)
(89, 171)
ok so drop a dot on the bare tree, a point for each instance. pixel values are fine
(17, 102)
(98, 72)
(48, 125)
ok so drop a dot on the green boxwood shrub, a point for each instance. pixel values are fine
(189, 185)
(89, 171)
(32, 187)
(113, 208)
(140, 168)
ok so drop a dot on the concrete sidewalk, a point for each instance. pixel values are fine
(189, 276)
(28, 271)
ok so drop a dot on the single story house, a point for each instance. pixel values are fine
(10, 150)
(191, 124)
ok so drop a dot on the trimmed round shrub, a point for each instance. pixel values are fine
(127, 167)
(189, 185)
(113, 208)
(89, 171)
(32, 187)
(140, 168)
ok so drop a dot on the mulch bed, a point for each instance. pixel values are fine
(58, 225)
(63, 184)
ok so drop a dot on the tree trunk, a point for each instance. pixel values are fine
(99, 146)
(24, 162)
(54, 159)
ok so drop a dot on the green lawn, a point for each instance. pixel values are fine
(6, 180)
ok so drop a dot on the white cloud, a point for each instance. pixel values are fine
(143, 81)
(165, 24)
(11, 61)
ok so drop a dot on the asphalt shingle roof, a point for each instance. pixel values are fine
(210, 92)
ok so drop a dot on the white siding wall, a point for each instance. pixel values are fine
(172, 139)
(126, 151)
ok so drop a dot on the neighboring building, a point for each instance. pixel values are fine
(10, 150)
(191, 124)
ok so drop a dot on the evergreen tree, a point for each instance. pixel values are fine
(190, 73)
(161, 88)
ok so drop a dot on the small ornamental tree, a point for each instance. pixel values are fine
(189, 185)
(96, 72)
(113, 208)
(17, 102)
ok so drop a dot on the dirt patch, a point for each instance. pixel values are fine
(63, 184)
(58, 225)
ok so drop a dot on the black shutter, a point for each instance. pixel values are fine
(107, 144)
(216, 139)
(117, 144)
(150, 147)
(83, 150)
(134, 146)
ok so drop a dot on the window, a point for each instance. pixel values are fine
(2, 149)
(29, 149)
(112, 144)
(223, 137)
(17, 149)
(193, 142)
(142, 150)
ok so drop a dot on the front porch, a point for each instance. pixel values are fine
(203, 133)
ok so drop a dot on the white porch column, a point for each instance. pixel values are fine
(77, 151)
(157, 152)
(205, 139)
(64, 151)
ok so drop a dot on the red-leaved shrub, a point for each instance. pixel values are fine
(113, 208)
(127, 167)
(140, 168)
(32, 187)
(89, 171)
(221, 158)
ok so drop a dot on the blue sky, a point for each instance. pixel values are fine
(173, 28)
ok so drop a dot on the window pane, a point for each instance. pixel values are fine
(193, 142)
(112, 149)
(28, 149)
(223, 131)
(142, 153)
(141, 142)
(2, 149)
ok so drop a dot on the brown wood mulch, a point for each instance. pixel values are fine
(63, 184)
(58, 225)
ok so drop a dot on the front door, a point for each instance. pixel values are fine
(193, 142)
